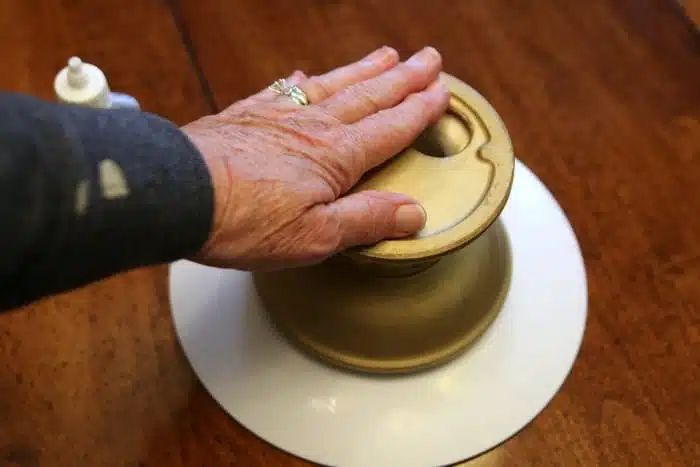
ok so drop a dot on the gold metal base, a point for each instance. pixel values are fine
(380, 321)
(407, 304)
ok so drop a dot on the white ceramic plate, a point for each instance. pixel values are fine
(436, 418)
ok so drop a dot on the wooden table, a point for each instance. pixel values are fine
(603, 102)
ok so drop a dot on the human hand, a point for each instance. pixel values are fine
(281, 171)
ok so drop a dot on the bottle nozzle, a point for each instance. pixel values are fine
(84, 84)
(76, 75)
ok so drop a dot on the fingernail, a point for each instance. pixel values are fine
(440, 88)
(425, 57)
(380, 54)
(409, 219)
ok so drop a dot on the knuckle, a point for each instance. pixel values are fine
(311, 238)
(328, 235)
(319, 88)
(375, 228)
(347, 158)
(364, 95)
(353, 145)
(344, 140)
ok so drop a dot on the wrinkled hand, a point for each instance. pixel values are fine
(281, 171)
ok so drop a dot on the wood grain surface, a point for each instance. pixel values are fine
(692, 9)
(602, 99)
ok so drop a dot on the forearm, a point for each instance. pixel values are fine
(86, 193)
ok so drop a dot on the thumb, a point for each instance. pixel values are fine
(368, 217)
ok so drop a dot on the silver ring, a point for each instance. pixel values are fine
(293, 91)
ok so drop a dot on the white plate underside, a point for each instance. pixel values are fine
(436, 418)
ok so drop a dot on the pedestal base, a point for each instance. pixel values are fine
(357, 319)
(433, 418)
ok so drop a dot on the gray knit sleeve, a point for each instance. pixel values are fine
(87, 193)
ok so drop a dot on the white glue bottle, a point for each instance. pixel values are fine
(84, 84)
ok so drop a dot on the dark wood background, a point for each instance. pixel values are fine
(602, 98)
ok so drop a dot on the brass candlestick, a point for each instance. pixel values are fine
(404, 305)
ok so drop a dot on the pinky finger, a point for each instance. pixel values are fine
(386, 133)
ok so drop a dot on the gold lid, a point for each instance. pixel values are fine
(460, 170)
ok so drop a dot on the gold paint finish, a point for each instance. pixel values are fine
(449, 136)
(391, 324)
(404, 305)
(463, 191)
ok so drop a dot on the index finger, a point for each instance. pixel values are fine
(386, 133)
